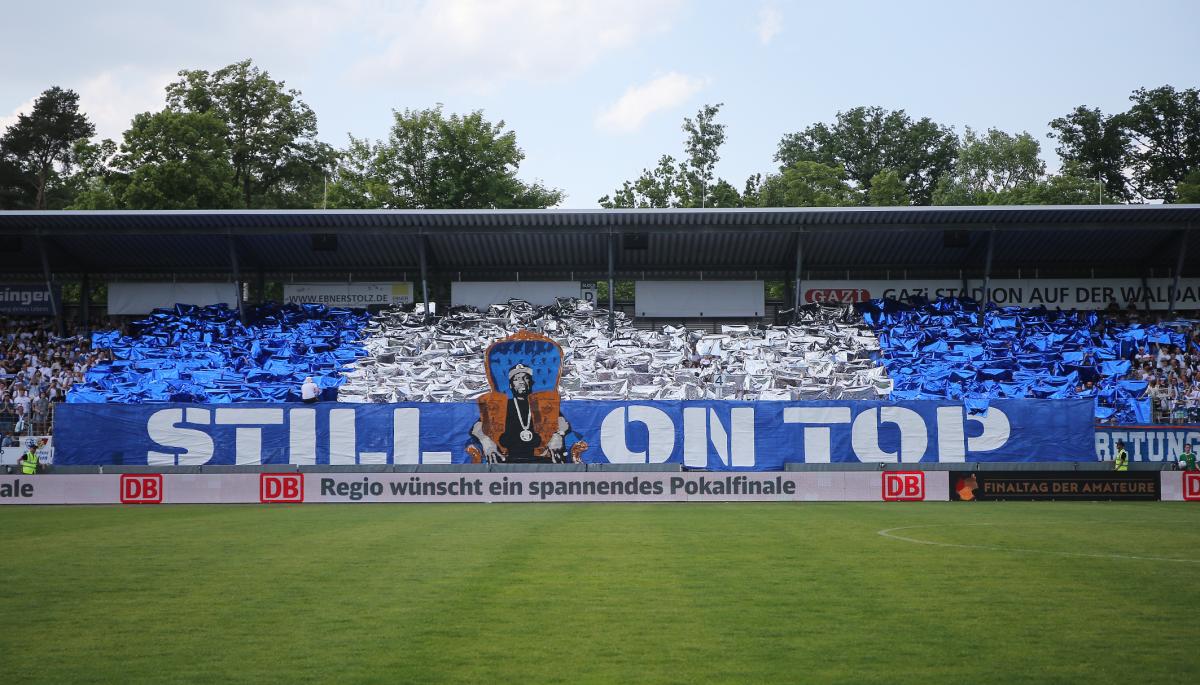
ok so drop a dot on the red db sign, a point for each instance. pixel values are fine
(141, 488)
(280, 487)
(903, 486)
(1191, 486)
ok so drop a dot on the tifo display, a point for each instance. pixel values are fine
(879, 381)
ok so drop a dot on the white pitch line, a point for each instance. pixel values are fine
(889, 533)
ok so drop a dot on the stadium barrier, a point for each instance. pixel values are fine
(549, 486)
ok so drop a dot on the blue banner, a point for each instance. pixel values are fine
(522, 428)
(1147, 443)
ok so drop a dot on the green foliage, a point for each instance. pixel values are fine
(1095, 146)
(688, 183)
(433, 161)
(887, 190)
(35, 152)
(270, 136)
(865, 141)
(990, 167)
(1143, 153)
(1164, 125)
(169, 160)
(808, 184)
(1188, 190)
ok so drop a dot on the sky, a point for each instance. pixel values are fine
(596, 91)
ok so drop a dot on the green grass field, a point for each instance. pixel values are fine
(605, 593)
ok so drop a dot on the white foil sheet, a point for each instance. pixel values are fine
(829, 354)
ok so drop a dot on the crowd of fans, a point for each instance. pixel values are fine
(37, 368)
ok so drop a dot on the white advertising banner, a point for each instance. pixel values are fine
(483, 294)
(348, 294)
(1052, 293)
(1180, 486)
(694, 299)
(143, 298)
(546, 486)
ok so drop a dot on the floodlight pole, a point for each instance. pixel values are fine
(1183, 238)
(796, 299)
(612, 262)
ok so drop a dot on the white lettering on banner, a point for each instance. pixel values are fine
(660, 435)
(248, 441)
(914, 438)
(1146, 444)
(196, 445)
(701, 428)
(818, 439)
(184, 441)
(1050, 293)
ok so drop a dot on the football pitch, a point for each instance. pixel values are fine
(602, 593)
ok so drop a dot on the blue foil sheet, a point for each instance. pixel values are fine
(205, 354)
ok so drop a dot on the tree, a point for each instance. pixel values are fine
(169, 160)
(989, 166)
(688, 183)
(887, 190)
(1096, 146)
(867, 140)
(36, 151)
(1164, 125)
(433, 161)
(271, 135)
(808, 184)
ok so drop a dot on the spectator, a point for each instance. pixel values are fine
(309, 392)
(36, 369)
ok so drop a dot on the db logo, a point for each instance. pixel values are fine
(1191, 486)
(837, 295)
(137, 488)
(903, 486)
(280, 487)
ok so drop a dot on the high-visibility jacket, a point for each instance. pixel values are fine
(1122, 461)
(29, 463)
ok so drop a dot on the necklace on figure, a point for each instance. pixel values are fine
(526, 434)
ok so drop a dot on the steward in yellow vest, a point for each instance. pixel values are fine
(1121, 462)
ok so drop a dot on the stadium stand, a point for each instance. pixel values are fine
(38, 370)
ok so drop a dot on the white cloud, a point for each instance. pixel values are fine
(770, 23)
(638, 102)
(480, 45)
(111, 97)
(23, 108)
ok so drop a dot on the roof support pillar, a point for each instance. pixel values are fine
(55, 309)
(612, 286)
(987, 276)
(1174, 295)
(85, 299)
(796, 297)
(237, 278)
(424, 277)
